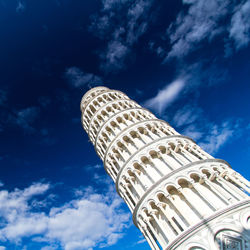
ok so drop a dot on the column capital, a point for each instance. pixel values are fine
(152, 211)
(179, 188)
(191, 183)
(212, 176)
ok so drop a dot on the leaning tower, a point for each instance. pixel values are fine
(180, 196)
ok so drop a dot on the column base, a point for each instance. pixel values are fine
(227, 229)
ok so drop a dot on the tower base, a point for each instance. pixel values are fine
(228, 229)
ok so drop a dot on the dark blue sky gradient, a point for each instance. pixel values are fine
(49, 48)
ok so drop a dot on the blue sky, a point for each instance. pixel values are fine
(187, 61)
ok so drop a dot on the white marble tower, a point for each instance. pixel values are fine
(180, 196)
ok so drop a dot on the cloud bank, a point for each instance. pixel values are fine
(92, 220)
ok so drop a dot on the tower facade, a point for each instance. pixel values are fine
(180, 196)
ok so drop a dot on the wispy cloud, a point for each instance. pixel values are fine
(78, 78)
(239, 29)
(187, 115)
(26, 117)
(203, 21)
(111, 4)
(210, 135)
(46, 137)
(44, 101)
(137, 19)
(193, 131)
(200, 22)
(120, 24)
(166, 96)
(189, 80)
(217, 136)
(202, 74)
(92, 220)
(115, 56)
(142, 240)
(22, 118)
(20, 7)
(3, 97)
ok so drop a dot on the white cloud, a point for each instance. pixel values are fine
(142, 240)
(187, 115)
(49, 247)
(89, 221)
(217, 136)
(92, 168)
(114, 56)
(34, 189)
(193, 132)
(209, 135)
(205, 20)
(166, 96)
(189, 119)
(204, 73)
(120, 24)
(110, 4)
(77, 78)
(200, 22)
(135, 28)
(85, 223)
(239, 30)
(13, 208)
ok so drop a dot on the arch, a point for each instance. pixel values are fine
(113, 124)
(195, 176)
(133, 134)
(126, 138)
(206, 172)
(120, 144)
(160, 194)
(183, 182)
(162, 149)
(171, 189)
(125, 116)
(196, 247)
(153, 154)
(141, 130)
(151, 203)
(145, 160)
(136, 165)
(119, 119)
